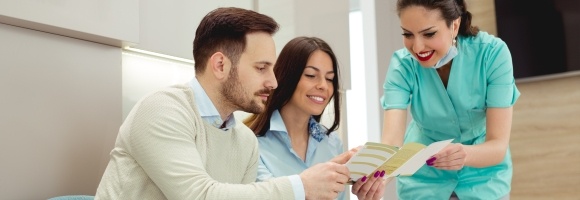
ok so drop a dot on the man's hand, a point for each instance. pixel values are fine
(324, 180)
(344, 157)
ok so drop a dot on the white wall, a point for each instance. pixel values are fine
(105, 21)
(381, 35)
(168, 27)
(144, 73)
(60, 112)
(313, 18)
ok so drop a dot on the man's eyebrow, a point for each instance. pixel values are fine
(267, 63)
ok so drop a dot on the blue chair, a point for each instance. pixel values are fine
(73, 197)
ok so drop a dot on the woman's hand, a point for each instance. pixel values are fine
(371, 188)
(452, 157)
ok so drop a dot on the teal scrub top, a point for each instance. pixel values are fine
(481, 77)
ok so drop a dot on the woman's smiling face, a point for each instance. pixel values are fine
(426, 35)
(315, 88)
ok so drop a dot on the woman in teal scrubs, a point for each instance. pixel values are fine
(458, 82)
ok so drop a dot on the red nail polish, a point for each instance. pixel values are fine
(377, 174)
(364, 178)
(383, 173)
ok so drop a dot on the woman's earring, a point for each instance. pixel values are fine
(454, 42)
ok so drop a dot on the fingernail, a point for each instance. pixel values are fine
(383, 173)
(364, 178)
(430, 163)
(431, 160)
(377, 174)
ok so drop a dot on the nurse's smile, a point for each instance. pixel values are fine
(425, 56)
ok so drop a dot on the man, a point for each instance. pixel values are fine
(183, 142)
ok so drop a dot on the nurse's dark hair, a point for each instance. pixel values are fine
(450, 10)
(224, 30)
(288, 69)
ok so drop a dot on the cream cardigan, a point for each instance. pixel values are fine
(164, 150)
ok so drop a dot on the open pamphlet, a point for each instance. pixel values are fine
(396, 161)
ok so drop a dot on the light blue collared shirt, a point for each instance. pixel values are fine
(207, 110)
(209, 113)
(277, 158)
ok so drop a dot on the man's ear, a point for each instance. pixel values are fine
(219, 65)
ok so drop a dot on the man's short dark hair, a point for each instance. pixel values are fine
(224, 30)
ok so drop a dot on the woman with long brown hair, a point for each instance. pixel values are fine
(290, 134)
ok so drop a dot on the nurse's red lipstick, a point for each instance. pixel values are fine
(424, 56)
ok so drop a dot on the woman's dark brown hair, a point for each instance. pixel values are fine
(450, 10)
(288, 70)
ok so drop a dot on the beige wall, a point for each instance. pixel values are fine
(105, 21)
(545, 137)
(60, 112)
(61, 103)
(483, 13)
(545, 130)
(168, 27)
(313, 18)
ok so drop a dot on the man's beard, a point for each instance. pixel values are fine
(235, 94)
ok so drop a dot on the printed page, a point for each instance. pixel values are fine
(369, 158)
(403, 155)
(418, 160)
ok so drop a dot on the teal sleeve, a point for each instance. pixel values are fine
(398, 84)
(501, 89)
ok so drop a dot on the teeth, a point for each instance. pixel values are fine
(425, 54)
(316, 98)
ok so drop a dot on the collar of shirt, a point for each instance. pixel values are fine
(316, 130)
(278, 132)
(207, 109)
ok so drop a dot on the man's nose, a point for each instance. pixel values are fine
(271, 81)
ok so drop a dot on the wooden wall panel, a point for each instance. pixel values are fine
(545, 140)
(483, 12)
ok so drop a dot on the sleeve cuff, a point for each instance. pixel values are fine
(297, 187)
(502, 96)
